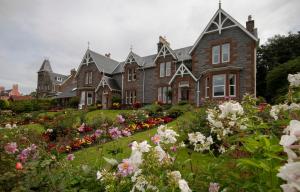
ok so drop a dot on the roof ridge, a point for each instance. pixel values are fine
(103, 56)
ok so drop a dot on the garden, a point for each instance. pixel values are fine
(221, 146)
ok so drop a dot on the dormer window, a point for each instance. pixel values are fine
(221, 53)
(165, 69)
(58, 79)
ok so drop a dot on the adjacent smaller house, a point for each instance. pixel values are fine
(48, 81)
(6, 94)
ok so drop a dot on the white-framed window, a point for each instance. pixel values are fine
(207, 90)
(89, 98)
(90, 77)
(130, 97)
(162, 68)
(168, 68)
(129, 75)
(134, 74)
(225, 53)
(219, 82)
(216, 54)
(232, 85)
(86, 78)
(58, 79)
(163, 94)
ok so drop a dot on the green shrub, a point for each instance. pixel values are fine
(177, 110)
(4, 104)
(116, 99)
(74, 102)
(153, 109)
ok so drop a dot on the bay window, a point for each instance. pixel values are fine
(219, 85)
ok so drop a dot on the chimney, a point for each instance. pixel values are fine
(161, 42)
(107, 55)
(250, 24)
(73, 72)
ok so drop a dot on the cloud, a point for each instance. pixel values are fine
(60, 29)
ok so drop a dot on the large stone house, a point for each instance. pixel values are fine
(221, 63)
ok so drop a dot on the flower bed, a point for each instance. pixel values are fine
(85, 135)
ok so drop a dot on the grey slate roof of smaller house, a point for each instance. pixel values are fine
(103, 62)
(182, 54)
(54, 80)
(46, 66)
(68, 92)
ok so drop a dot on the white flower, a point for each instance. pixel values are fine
(294, 106)
(14, 126)
(196, 137)
(8, 126)
(230, 107)
(167, 136)
(222, 149)
(99, 175)
(49, 130)
(210, 140)
(182, 144)
(287, 140)
(294, 127)
(111, 161)
(288, 188)
(176, 175)
(290, 172)
(141, 147)
(136, 174)
(291, 154)
(183, 186)
(276, 109)
(135, 159)
(161, 153)
(294, 79)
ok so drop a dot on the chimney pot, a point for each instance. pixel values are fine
(250, 24)
(107, 55)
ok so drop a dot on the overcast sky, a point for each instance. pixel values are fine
(31, 30)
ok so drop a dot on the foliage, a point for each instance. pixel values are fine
(277, 82)
(4, 104)
(153, 109)
(116, 99)
(177, 110)
(275, 52)
(74, 102)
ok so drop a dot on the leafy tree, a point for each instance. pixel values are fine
(277, 83)
(276, 51)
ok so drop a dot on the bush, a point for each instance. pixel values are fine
(153, 109)
(116, 99)
(177, 110)
(74, 102)
(4, 104)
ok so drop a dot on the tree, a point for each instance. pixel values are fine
(277, 83)
(276, 51)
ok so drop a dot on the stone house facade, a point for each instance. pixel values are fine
(221, 63)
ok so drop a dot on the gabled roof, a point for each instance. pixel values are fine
(181, 54)
(46, 66)
(110, 82)
(133, 57)
(181, 71)
(103, 63)
(220, 21)
(164, 51)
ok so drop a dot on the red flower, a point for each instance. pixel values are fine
(19, 166)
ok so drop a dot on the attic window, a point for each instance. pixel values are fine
(58, 79)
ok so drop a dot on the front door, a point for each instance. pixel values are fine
(104, 100)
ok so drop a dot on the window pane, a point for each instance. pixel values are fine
(232, 90)
(225, 52)
(165, 95)
(216, 54)
(162, 69)
(232, 79)
(168, 68)
(232, 84)
(159, 94)
(219, 91)
(219, 80)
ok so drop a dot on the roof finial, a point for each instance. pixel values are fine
(88, 45)
(131, 47)
(220, 3)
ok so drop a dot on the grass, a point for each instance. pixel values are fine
(108, 113)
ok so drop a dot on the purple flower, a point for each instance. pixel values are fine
(120, 119)
(11, 148)
(70, 157)
(214, 187)
(173, 148)
(98, 132)
(126, 133)
(23, 156)
(125, 168)
(114, 133)
(33, 147)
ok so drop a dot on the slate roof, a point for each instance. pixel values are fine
(46, 66)
(53, 75)
(182, 54)
(105, 63)
(68, 92)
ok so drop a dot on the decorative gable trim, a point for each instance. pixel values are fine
(102, 83)
(220, 21)
(87, 59)
(181, 71)
(165, 51)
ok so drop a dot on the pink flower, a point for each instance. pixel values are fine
(126, 133)
(70, 157)
(214, 187)
(11, 148)
(155, 139)
(81, 128)
(120, 119)
(125, 168)
(98, 132)
(23, 156)
(173, 148)
(114, 133)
